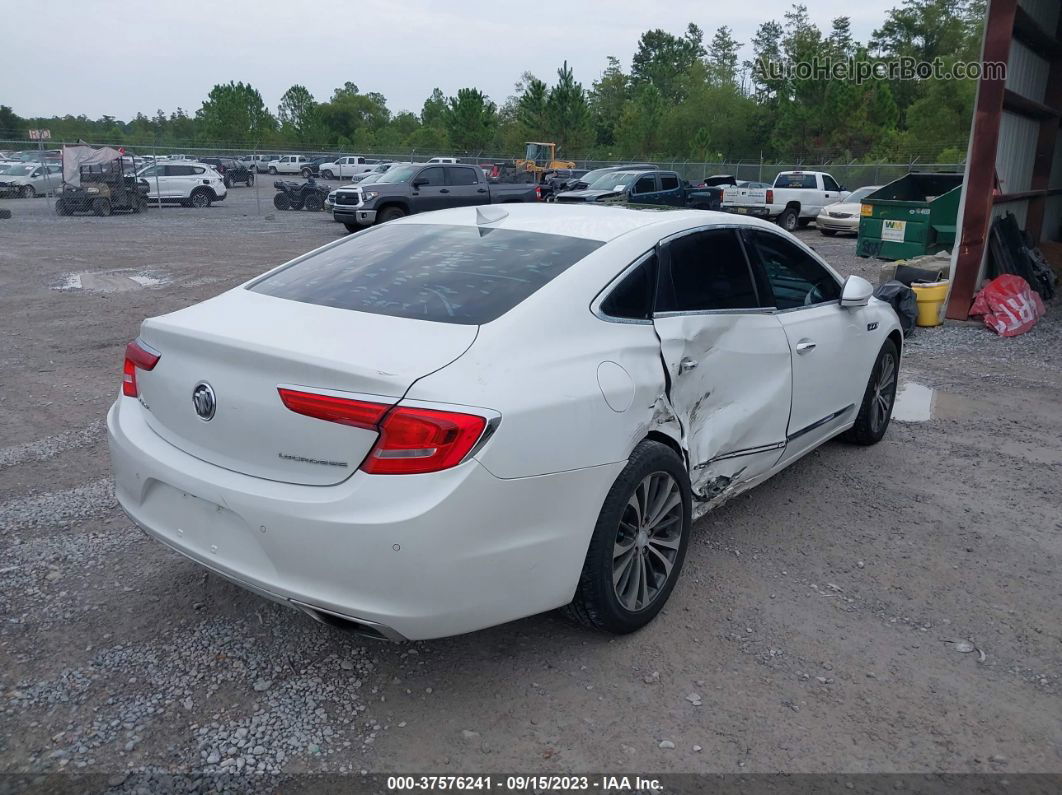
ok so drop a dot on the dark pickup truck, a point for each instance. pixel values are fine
(419, 188)
(642, 187)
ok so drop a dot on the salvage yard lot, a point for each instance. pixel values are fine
(808, 632)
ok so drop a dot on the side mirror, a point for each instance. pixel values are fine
(857, 292)
(420, 181)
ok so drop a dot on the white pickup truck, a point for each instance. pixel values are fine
(793, 200)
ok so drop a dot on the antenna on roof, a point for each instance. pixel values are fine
(489, 215)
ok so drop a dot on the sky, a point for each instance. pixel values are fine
(134, 56)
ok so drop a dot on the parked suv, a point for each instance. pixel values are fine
(231, 170)
(188, 183)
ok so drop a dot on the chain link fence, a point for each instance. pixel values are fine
(850, 174)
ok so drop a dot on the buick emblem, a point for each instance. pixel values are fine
(205, 402)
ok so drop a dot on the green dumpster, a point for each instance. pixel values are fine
(911, 216)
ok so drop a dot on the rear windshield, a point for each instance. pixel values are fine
(448, 274)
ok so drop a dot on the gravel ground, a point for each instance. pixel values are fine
(811, 631)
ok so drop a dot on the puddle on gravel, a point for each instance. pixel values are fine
(117, 281)
(920, 403)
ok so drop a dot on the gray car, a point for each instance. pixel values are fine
(30, 179)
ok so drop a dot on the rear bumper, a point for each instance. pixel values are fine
(759, 212)
(414, 556)
(352, 215)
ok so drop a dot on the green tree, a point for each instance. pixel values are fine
(662, 58)
(638, 132)
(568, 113)
(609, 94)
(298, 112)
(11, 124)
(531, 114)
(471, 120)
(232, 113)
(723, 56)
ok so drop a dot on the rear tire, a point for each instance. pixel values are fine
(639, 543)
(281, 201)
(390, 214)
(313, 202)
(27, 192)
(250, 180)
(788, 220)
(828, 232)
(879, 398)
(101, 207)
(307, 173)
(227, 182)
(199, 198)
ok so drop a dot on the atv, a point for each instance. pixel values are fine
(295, 196)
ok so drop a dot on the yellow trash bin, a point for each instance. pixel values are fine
(930, 298)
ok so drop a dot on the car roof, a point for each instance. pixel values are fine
(574, 220)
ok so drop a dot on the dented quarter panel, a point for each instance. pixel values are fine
(733, 406)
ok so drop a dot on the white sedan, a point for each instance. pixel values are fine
(843, 216)
(465, 417)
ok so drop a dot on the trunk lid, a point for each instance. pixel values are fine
(245, 344)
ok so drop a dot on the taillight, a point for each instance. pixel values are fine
(538, 192)
(770, 196)
(140, 355)
(412, 440)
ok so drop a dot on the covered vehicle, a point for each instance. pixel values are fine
(465, 417)
(99, 181)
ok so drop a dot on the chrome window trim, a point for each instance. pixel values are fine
(607, 290)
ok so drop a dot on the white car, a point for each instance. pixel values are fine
(544, 398)
(30, 179)
(187, 182)
(794, 200)
(345, 167)
(843, 216)
(289, 164)
(444, 160)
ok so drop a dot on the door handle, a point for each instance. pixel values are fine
(481, 190)
(806, 346)
(444, 190)
(687, 364)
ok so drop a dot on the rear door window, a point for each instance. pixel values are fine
(446, 274)
(668, 182)
(462, 176)
(706, 271)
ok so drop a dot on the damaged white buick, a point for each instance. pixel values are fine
(465, 417)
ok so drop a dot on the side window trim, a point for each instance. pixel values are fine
(616, 281)
(665, 268)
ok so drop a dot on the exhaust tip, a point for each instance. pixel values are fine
(354, 626)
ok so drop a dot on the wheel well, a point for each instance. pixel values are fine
(897, 339)
(793, 206)
(388, 205)
(663, 438)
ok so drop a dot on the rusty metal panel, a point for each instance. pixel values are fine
(1016, 152)
(1044, 12)
(1027, 72)
(976, 206)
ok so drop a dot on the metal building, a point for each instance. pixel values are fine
(1014, 138)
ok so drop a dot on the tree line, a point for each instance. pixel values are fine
(682, 97)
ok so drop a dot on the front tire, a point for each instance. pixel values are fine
(281, 201)
(273, 170)
(639, 543)
(352, 228)
(199, 198)
(390, 214)
(27, 192)
(828, 232)
(313, 202)
(101, 207)
(307, 173)
(876, 408)
(250, 180)
(328, 175)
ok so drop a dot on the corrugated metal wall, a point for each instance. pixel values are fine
(1044, 12)
(1016, 152)
(1027, 72)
